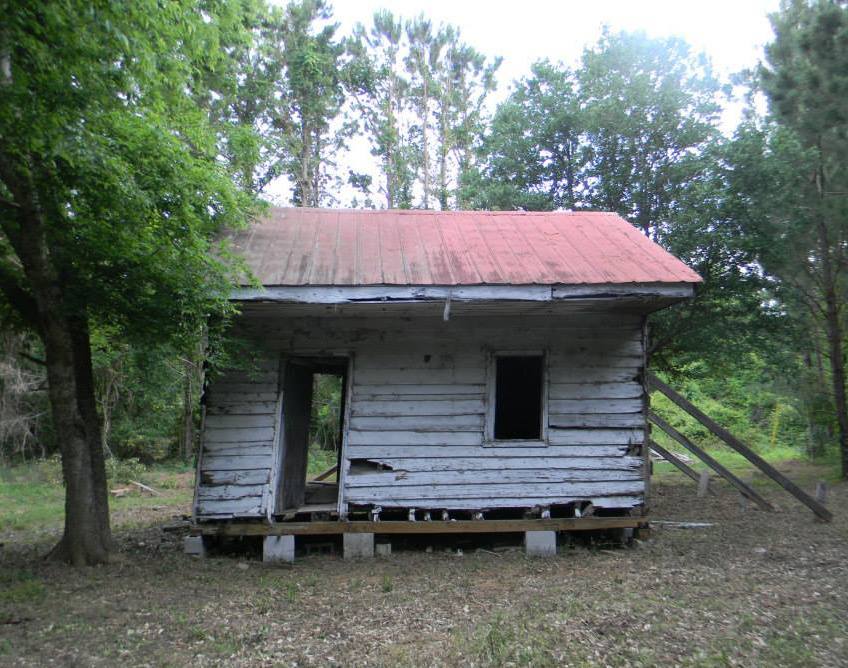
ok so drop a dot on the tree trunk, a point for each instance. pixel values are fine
(67, 347)
(833, 326)
(87, 538)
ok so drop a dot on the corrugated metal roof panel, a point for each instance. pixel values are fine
(296, 247)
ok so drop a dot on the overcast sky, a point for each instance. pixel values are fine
(731, 32)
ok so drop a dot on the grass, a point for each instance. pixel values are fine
(32, 497)
(752, 589)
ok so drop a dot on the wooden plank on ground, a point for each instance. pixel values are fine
(744, 488)
(676, 461)
(434, 527)
(741, 448)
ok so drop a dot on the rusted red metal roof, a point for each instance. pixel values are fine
(326, 247)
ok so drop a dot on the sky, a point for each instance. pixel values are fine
(731, 33)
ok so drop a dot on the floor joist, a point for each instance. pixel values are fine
(405, 527)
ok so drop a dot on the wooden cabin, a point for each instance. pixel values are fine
(492, 366)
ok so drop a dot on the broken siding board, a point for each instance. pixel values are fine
(213, 450)
(217, 400)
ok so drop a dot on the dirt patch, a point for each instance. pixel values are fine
(753, 589)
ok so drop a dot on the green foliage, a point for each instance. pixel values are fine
(124, 470)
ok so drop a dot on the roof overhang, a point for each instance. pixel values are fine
(645, 297)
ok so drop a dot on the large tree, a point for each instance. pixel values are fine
(805, 77)
(111, 187)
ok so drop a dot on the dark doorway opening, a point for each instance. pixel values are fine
(313, 414)
(518, 397)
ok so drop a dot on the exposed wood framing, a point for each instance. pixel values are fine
(407, 527)
(722, 433)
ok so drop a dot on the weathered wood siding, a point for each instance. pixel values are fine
(237, 459)
(416, 436)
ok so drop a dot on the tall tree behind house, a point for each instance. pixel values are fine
(805, 77)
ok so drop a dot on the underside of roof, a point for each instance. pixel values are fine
(326, 248)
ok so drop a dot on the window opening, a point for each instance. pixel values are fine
(518, 397)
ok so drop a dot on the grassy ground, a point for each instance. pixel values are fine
(752, 589)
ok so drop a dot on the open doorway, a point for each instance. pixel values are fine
(313, 415)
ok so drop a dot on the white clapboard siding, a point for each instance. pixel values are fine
(436, 452)
(418, 408)
(244, 449)
(238, 477)
(493, 490)
(475, 477)
(356, 437)
(242, 407)
(412, 392)
(216, 399)
(487, 502)
(421, 408)
(226, 421)
(432, 423)
(237, 463)
(600, 390)
(240, 435)
(514, 463)
(611, 406)
(595, 436)
(600, 420)
(226, 508)
(593, 374)
(212, 492)
(237, 444)
(461, 375)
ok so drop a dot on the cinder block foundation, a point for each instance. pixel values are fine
(194, 546)
(383, 549)
(278, 548)
(540, 543)
(358, 545)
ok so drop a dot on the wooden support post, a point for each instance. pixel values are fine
(741, 448)
(709, 461)
(679, 463)
(194, 545)
(703, 484)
